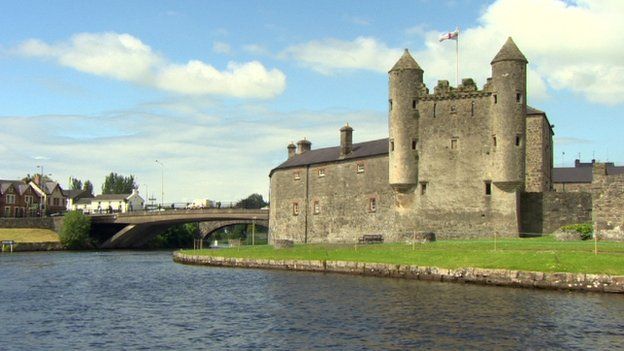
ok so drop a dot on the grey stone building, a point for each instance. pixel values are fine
(456, 162)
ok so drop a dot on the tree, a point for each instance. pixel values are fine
(31, 178)
(88, 187)
(75, 231)
(75, 184)
(254, 201)
(118, 184)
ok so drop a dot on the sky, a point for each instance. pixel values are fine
(215, 90)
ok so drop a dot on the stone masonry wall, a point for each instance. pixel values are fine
(52, 223)
(543, 213)
(608, 199)
(572, 187)
(538, 154)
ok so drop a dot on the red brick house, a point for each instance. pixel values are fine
(18, 199)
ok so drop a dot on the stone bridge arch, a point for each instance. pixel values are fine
(207, 228)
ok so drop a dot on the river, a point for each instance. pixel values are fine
(131, 300)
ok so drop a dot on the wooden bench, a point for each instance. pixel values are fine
(371, 239)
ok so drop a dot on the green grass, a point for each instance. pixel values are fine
(28, 235)
(529, 254)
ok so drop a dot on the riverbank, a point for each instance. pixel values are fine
(484, 276)
(538, 262)
(31, 239)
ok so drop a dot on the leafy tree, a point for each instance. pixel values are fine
(118, 184)
(75, 184)
(177, 236)
(88, 187)
(31, 178)
(75, 231)
(254, 201)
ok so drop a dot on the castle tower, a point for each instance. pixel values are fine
(405, 83)
(508, 116)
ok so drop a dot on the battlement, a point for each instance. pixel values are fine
(466, 90)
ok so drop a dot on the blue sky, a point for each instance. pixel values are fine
(217, 89)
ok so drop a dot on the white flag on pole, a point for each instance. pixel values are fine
(450, 35)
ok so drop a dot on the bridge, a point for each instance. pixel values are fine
(135, 229)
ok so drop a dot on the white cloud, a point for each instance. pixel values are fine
(126, 58)
(570, 45)
(221, 48)
(331, 55)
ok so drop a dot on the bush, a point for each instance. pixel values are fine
(75, 231)
(584, 229)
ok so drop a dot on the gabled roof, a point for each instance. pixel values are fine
(331, 154)
(5, 184)
(509, 52)
(76, 194)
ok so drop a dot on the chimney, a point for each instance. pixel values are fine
(37, 179)
(346, 140)
(303, 146)
(291, 150)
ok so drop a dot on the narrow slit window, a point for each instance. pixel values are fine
(295, 208)
(372, 204)
(519, 98)
(472, 108)
(414, 104)
(414, 144)
(434, 109)
(495, 99)
(390, 104)
(454, 144)
(517, 140)
(423, 188)
(317, 207)
(391, 145)
(494, 140)
(488, 188)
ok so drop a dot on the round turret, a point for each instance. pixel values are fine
(405, 83)
(509, 115)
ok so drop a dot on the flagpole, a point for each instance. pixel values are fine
(457, 58)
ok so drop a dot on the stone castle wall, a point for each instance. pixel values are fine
(543, 213)
(538, 154)
(572, 187)
(608, 201)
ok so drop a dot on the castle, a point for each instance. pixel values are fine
(460, 162)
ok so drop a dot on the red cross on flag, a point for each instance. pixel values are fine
(450, 35)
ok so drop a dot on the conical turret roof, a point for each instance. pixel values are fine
(406, 62)
(509, 52)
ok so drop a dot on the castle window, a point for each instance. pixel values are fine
(453, 109)
(494, 140)
(488, 187)
(372, 204)
(495, 98)
(414, 104)
(434, 109)
(390, 104)
(423, 188)
(360, 168)
(391, 144)
(454, 144)
(321, 172)
(519, 98)
(517, 140)
(414, 144)
(295, 208)
(472, 108)
(317, 207)
(297, 175)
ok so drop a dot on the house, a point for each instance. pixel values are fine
(18, 199)
(54, 199)
(110, 203)
(74, 195)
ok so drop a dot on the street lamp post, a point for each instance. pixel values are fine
(253, 231)
(162, 182)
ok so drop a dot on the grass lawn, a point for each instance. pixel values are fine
(28, 235)
(529, 254)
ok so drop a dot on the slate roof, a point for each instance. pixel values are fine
(76, 193)
(84, 201)
(5, 184)
(332, 154)
(582, 173)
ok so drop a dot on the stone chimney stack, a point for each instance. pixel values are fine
(37, 179)
(303, 146)
(291, 150)
(346, 140)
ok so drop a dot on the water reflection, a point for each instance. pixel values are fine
(142, 300)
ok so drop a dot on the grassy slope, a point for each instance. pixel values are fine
(534, 254)
(28, 235)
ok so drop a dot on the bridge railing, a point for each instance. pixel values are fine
(207, 210)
